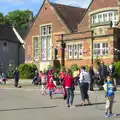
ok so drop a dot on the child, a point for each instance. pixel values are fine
(50, 86)
(43, 82)
(110, 93)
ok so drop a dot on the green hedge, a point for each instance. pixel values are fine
(27, 71)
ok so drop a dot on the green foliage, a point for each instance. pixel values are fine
(74, 67)
(62, 68)
(11, 69)
(3, 19)
(27, 71)
(19, 19)
(49, 67)
(117, 70)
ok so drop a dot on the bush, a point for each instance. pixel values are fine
(117, 70)
(74, 67)
(27, 71)
(62, 68)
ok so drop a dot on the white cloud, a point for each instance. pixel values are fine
(78, 3)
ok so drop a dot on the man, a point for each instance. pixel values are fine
(112, 72)
(16, 77)
(92, 77)
(103, 72)
(84, 85)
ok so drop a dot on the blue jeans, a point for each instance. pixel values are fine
(70, 96)
(50, 93)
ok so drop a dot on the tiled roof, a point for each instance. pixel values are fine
(7, 33)
(70, 15)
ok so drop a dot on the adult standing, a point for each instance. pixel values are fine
(16, 77)
(84, 85)
(92, 77)
(112, 72)
(103, 72)
(69, 86)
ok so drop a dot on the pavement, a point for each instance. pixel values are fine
(27, 103)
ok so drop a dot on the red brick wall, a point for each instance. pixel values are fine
(96, 4)
(46, 15)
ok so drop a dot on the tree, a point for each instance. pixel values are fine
(3, 19)
(19, 19)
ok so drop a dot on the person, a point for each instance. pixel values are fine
(110, 94)
(76, 76)
(51, 87)
(84, 85)
(43, 82)
(92, 77)
(111, 69)
(103, 72)
(16, 77)
(69, 86)
(62, 78)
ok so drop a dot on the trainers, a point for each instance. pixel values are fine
(111, 114)
(106, 115)
(72, 106)
(68, 105)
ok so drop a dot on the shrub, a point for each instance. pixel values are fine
(27, 71)
(74, 67)
(117, 70)
(62, 68)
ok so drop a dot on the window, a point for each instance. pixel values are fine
(35, 47)
(106, 16)
(100, 49)
(46, 42)
(74, 51)
(5, 46)
(1, 64)
(70, 51)
(80, 50)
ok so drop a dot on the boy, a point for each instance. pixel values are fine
(110, 93)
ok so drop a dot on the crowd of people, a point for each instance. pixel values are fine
(101, 75)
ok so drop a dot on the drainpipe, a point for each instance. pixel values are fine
(92, 52)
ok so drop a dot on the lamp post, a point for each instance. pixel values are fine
(62, 50)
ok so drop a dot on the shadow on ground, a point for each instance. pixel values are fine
(32, 108)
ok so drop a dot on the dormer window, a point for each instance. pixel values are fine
(106, 16)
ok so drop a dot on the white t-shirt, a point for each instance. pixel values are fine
(84, 77)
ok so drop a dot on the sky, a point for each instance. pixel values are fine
(34, 5)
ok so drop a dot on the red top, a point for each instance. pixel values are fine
(50, 86)
(68, 81)
(62, 74)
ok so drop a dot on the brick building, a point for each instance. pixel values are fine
(87, 34)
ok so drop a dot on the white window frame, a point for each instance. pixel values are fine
(36, 47)
(75, 52)
(80, 50)
(46, 49)
(105, 16)
(70, 51)
(99, 49)
(1, 64)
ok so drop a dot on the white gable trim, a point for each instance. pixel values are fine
(19, 37)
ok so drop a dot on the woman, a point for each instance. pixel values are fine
(84, 85)
(69, 86)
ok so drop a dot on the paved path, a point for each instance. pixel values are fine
(29, 104)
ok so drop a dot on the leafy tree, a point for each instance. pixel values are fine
(19, 19)
(3, 19)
